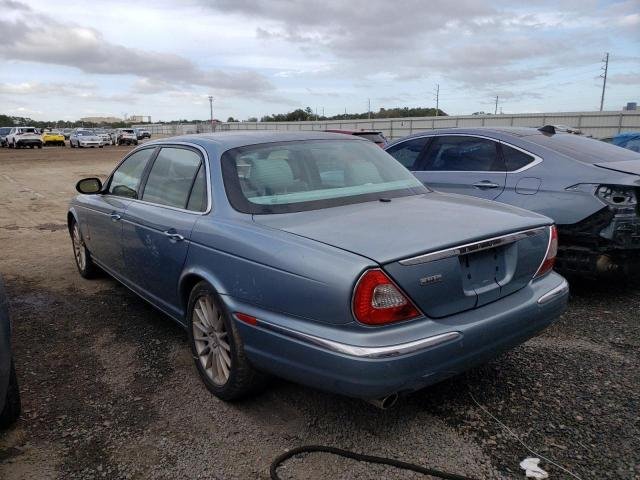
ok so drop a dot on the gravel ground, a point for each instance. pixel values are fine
(110, 391)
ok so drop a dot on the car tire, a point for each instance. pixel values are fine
(135, 143)
(81, 254)
(232, 377)
(11, 411)
(13, 144)
(40, 146)
(71, 144)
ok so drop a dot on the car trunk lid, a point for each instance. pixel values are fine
(392, 233)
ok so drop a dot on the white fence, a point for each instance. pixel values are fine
(596, 124)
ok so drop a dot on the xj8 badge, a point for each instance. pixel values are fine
(430, 279)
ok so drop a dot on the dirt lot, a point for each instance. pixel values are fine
(109, 389)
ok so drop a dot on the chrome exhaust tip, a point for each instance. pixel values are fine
(384, 403)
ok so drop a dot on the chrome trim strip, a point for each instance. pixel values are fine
(473, 247)
(556, 292)
(389, 351)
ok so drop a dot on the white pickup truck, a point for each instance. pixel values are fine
(24, 137)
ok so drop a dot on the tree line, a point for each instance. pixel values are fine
(300, 115)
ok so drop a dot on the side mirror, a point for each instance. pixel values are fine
(89, 186)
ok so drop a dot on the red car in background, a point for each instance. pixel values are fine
(375, 136)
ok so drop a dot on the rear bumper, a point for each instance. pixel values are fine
(370, 362)
(28, 142)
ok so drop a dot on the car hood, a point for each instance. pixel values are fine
(388, 231)
(626, 166)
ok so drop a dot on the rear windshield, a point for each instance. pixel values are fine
(306, 175)
(373, 137)
(584, 149)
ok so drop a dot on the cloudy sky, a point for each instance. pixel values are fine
(70, 59)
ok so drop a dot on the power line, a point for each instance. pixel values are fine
(604, 77)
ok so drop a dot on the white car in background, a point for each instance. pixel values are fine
(105, 137)
(127, 136)
(24, 137)
(84, 138)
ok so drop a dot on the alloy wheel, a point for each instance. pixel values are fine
(211, 340)
(78, 248)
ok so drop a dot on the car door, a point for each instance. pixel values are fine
(157, 228)
(463, 164)
(104, 212)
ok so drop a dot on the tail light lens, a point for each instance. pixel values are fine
(552, 251)
(378, 301)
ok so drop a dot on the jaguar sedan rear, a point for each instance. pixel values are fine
(318, 258)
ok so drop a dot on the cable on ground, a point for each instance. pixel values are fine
(279, 460)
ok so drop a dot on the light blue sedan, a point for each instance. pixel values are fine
(318, 258)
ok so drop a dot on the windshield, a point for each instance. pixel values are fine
(373, 137)
(304, 175)
(84, 133)
(5, 130)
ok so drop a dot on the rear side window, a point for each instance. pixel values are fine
(126, 179)
(515, 159)
(198, 198)
(463, 154)
(172, 177)
(407, 153)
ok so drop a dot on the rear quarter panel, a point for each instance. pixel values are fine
(275, 270)
(556, 173)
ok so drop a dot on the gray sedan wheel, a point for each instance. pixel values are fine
(81, 254)
(217, 348)
(11, 411)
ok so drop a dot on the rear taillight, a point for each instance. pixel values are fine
(552, 251)
(378, 301)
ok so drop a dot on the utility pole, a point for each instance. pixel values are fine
(211, 111)
(437, 98)
(496, 111)
(605, 60)
(323, 111)
(369, 108)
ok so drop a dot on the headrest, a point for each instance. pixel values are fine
(271, 175)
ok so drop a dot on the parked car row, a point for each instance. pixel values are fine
(18, 137)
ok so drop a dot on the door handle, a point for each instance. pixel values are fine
(485, 185)
(173, 236)
(115, 217)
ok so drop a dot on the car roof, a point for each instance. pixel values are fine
(229, 140)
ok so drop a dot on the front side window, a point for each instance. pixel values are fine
(407, 153)
(304, 175)
(126, 179)
(463, 154)
(172, 176)
(515, 159)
